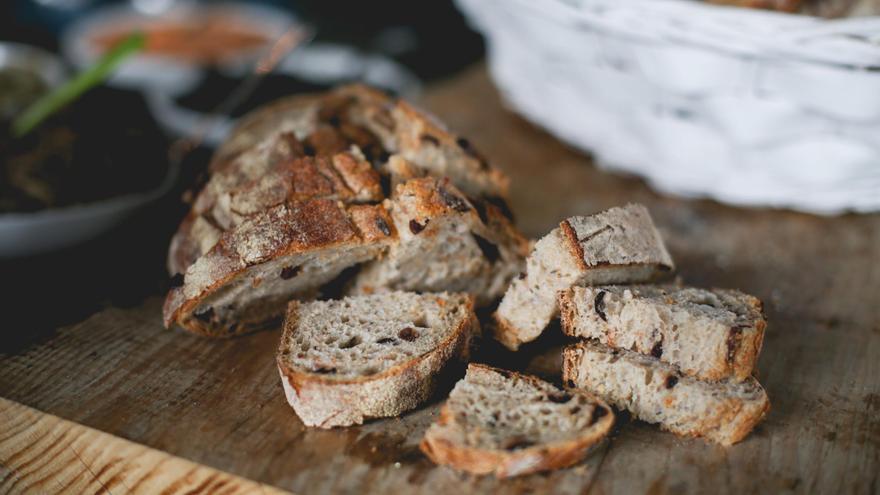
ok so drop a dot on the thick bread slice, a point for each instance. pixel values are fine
(345, 361)
(446, 243)
(289, 250)
(653, 391)
(620, 245)
(501, 422)
(354, 121)
(709, 334)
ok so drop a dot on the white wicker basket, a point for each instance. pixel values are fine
(744, 106)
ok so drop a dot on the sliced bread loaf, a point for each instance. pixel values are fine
(323, 146)
(290, 250)
(709, 334)
(345, 361)
(447, 242)
(620, 245)
(653, 391)
(501, 422)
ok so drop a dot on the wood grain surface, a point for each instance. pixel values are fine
(220, 403)
(41, 453)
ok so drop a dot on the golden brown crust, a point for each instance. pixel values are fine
(286, 229)
(574, 246)
(506, 463)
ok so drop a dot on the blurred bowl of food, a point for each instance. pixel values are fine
(81, 172)
(181, 41)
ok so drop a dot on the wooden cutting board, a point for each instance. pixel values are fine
(219, 403)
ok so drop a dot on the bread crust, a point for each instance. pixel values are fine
(736, 358)
(503, 463)
(732, 418)
(327, 402)
(283, 230)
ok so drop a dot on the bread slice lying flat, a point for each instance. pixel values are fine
(709, 334)
(501, 422)
(620, 245)
(653, 391)
(244, 281)
(361, 357)
(446, 242)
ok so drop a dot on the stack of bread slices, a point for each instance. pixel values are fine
(372, 233)
(682, 357)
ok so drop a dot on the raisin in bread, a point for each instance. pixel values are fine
(348, 360)
(323, 146)
(446, 242)
(709, 334)
(653, 391)
(501, 422)
(290, 250)
(620, 245)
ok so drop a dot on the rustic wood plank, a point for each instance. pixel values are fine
(219, 403)
(41, 453)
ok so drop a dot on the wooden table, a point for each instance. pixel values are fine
(219, 403)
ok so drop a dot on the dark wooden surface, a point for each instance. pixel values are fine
(220, 402)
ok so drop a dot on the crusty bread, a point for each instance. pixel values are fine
(447, 242)
(290, 250)
(620, 245)
(323, 146)
(653, 391)
(501, 422)
(345, 361)
(709, 334)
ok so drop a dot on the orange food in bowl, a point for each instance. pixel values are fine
(209, 39)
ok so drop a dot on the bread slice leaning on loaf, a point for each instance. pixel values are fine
(619, 245)
(446, 242)
(508, 424)
(708, 334)
(345, 361)
(655, 392)
(244, 281)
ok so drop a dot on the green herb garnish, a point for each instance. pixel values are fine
(61, 96)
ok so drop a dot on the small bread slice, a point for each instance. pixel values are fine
(509, 424)
(244, 282)
(709, 334)
(617, 246)
(447, 242)
(361, 357)
(653, 391)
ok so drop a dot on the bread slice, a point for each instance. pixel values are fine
(244, 281)
(345, 361)
(653, 391)
(328, 146)
(447, 242)
(709, 334)
(620, 245)
(501, 422)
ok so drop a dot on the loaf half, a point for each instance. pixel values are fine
(620, 245)
(501, 422)
(246, 279)
(362, 357)
(709, 334)
(446, 242)
(653, 391)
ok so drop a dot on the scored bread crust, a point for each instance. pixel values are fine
(504, 463)
(273, 135)
(714, 344)
(286, 230)
(618, 245)
(325, 402)
(657, 393)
